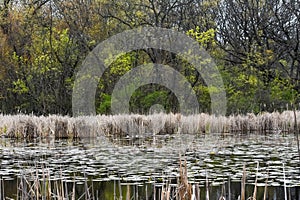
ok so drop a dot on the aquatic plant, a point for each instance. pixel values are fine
(40, 182)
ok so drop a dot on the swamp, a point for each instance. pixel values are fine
(150, 99)
(211, 164)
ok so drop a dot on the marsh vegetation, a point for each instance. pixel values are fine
(29, 126)
(45, 153)
(147, 166)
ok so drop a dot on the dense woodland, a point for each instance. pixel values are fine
(255, 44)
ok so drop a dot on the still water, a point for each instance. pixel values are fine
(140, 165)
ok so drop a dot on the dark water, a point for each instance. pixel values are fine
(139, 166)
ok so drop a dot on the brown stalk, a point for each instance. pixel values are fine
(73, 193)
(255, 187)
(266, 186)
(185, 189)
(243, 183)
(128, 193)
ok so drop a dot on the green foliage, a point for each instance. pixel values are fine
(42, 47)
(104, 107)
(283, 91)
(20, 87)
(206, 39)
(147, 96)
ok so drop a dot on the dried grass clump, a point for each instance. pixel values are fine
(29, 126)
(184, 188)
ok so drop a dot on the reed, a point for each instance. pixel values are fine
(266, 186)
(30, 126)
(166, 191)
(184, 188)
(243, 184)
(284, 182)
(33, 185)
(2, 188)
(255, 186)
(207, 187)
(40, 185)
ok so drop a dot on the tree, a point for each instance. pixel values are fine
(257, 37)
(41, 58)
(179, 15)
(255, 44)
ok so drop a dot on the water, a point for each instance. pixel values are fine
(144, 164)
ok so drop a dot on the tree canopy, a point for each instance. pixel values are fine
(255, 44)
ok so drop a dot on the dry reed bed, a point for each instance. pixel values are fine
(36, 185)
(29, 126)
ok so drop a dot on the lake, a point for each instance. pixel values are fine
(140, 166)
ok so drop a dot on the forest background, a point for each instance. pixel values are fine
(255, 44)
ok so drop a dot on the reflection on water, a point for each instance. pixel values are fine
(144, 164)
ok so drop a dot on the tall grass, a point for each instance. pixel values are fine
(29, 126)
(34, 185)
(189, 191)
(40, 184)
